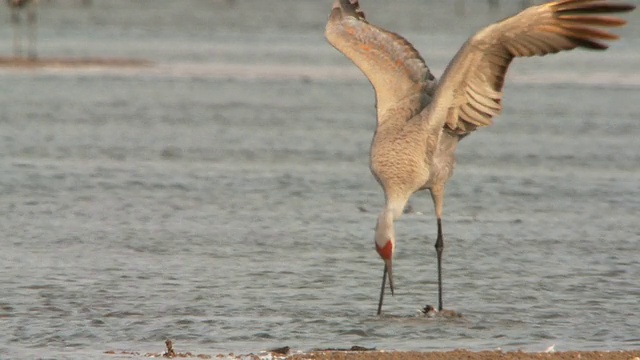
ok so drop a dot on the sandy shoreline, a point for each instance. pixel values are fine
(468, 355)
(284, 353)
(24, 63)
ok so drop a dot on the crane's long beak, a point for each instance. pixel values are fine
(387, 272)
(387, 267)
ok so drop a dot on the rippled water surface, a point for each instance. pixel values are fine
(222, 197)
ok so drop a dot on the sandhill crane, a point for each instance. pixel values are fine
(17, 6)
(420, 120)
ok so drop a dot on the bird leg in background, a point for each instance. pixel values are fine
(32, 22)
(15, 23)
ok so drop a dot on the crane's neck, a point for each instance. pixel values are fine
(384, 226)
(384, 230)
(404, 109)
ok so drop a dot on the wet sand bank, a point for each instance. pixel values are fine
(465, 354)
(362, 353)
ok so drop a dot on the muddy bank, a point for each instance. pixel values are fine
(468, 355)
(362, 353)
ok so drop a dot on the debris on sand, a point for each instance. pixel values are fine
(353, 348)
(169, 353)
(281, 350)
(430, 311)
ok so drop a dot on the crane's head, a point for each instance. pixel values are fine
(385, 241)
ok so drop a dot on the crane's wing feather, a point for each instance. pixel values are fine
(393, 66)
(470, 91)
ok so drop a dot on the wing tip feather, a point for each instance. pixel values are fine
(590, 7)
(605, 21)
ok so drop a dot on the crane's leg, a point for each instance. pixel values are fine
(437, 194)
(32, 20)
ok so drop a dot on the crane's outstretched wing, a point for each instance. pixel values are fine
(470, 90)
(393, 66)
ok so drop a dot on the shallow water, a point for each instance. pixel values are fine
(213, 198)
